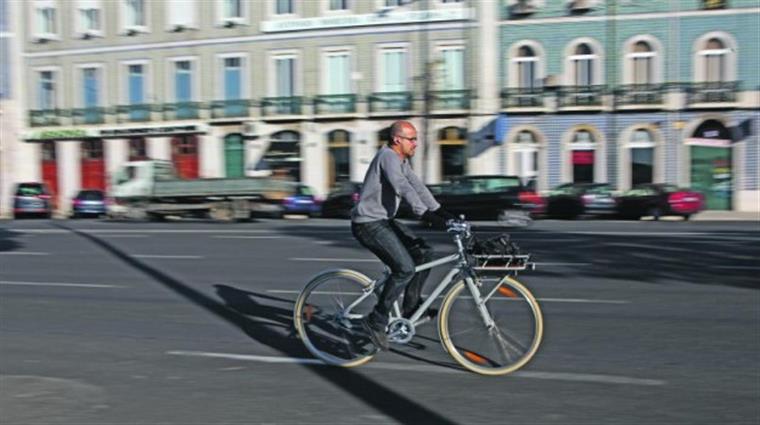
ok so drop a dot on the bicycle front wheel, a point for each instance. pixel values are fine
(496, 338)
(327, 315)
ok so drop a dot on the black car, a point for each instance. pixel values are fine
(341, 200)
(570, 200)
(659, 199)
(483, 197)
(32, 198)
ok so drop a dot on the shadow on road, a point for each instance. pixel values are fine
(7, 241)
(380, 397)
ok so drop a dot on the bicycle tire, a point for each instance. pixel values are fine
(521, 332)
(323, 327)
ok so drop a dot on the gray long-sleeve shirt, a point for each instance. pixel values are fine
(389, 179)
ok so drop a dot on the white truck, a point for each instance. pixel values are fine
(151, 190)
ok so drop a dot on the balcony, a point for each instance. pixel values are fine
(134, 113)
(580, 96)
(45, 117)
(93, 115)
(181, 110)
(530, 97)
(273, 106)
(335, 104)
(383, 102)
(449, 100)
(640, 95)
(712, 92)
(230, 108)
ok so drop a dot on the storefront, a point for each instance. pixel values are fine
(710, 168)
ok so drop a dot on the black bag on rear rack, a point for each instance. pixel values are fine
(497, 255)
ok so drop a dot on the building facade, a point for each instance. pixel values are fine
(305, 90)
(634, 92)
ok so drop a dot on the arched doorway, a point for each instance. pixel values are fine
(338, 157)
(93, 165)
(452, 142)
(582, 156)
(525, 156)
(711, 168)
(641, 154)
(50, 169)
(283, 157)
(234, 155)
(185, 156)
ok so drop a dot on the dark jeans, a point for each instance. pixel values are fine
(400, 250)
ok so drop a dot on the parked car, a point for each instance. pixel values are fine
(657, 200)
(88, 202)
(32, 198)
(341, 200)
(302, 201)
(483, 197)
(571, 200)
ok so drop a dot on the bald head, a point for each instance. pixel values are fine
(400, 128)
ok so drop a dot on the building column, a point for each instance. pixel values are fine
(69, 173)
(313, 159)
(211, 152)
(159, 148)
(116, 153)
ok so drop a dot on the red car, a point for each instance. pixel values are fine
(657, 200)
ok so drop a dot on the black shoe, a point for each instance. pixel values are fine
(378, 336)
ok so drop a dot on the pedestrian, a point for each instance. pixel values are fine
(389, 179)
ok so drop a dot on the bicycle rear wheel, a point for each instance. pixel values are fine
(327, 315)
(496, 348)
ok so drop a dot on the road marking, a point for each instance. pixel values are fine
(354, 260)
(549, 300)
(169, 257)
(564, 264)
(123, 236)
(248, 237)
(557, 376)
(23, 253)
(736, 267)
(80, 285)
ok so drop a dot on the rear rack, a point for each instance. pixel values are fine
(502, 263)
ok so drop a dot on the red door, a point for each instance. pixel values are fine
(50, 170)
(185, 156)
(93, 165)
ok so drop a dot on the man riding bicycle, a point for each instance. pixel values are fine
(373, 223)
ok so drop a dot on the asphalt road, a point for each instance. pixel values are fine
(190, 323)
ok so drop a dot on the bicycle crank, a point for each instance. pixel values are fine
(400, 331)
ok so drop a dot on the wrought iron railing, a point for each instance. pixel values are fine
(334, 103)
(271, 106)
(230, 108)
(521, 97)
(443, 100)
(712, 92)
(92, 115)
(639, 94)
(45, 117)
(390, 101)
(181, 110)
(135, 113)
(580, 96)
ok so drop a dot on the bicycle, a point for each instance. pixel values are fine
(329, 308)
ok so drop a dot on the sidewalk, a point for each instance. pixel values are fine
(727, 216)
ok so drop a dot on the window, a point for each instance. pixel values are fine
(715, 54)
(45, 17)
(395, 3)
(583, 65)
(339, 149)
(181, 14)
(642, 157)
(232, 78)
(284, 7)
(338, 73)
(285, 76)
(136, 84)
(641, 59)
(526, 155)
(451, 71)
(48, 151)
(137, 149)
(338, 5)
(183, 81)
(90, 87)
(92, 149)
(393, 70)
(452, 142)
(526, 62)
(46, 91)
(232, 9)
(89, 17)
(583, 148)
(134, 13)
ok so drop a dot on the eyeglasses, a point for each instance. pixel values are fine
(411, 139)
